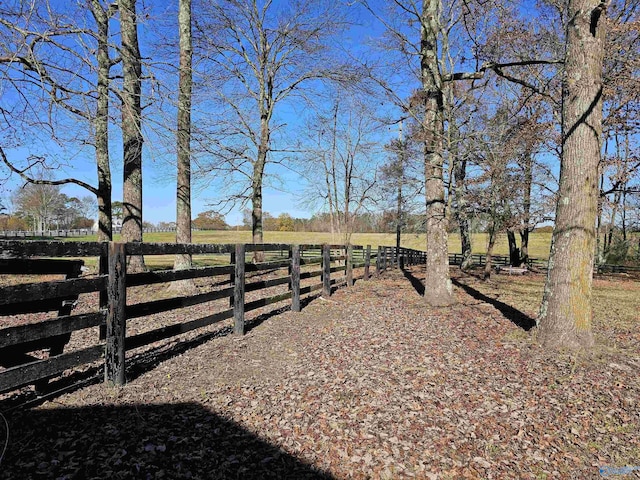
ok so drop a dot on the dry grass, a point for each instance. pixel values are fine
(616, 303)
(538, 242)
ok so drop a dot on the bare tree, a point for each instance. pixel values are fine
(39, 60)
(264, 54)
(342, 152)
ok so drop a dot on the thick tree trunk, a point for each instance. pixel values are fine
(183, 193)
(599, 249)
(101, 124)
(438, 289)
(565, 314)
(131, 131)
(514, 252)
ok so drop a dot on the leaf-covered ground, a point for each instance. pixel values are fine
(368, 384)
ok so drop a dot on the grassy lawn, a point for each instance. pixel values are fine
(538, 242)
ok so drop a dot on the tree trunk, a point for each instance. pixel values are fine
(599, 248)
(488, 264)
(608, 240)
(524, 246)
(565, 314)
(101, 124)
(514, 253)
(183, 193)
(438, 289)
(460, 174)
(131, 131)
(400, 181)
(526, 208)
(256, 194)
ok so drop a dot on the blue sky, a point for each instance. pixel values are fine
(158, 171)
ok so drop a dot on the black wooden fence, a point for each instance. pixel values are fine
(25, 257)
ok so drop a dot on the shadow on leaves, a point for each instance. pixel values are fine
(170, 441)
(514, 315)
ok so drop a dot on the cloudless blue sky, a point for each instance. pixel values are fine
(159, 171)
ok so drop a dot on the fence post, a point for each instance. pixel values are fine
(378, 260)
(295, 278)
(349, 265)
(103, 269)
(114, 363)
(367, 262)
(401, 259)
(326, 270)
(232, 276)
(238, 291)
(384, 259)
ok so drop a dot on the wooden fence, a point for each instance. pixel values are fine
(73, 233)
(113, 281)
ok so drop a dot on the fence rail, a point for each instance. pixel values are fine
(284, 261)
(287, 267)
(70, 233)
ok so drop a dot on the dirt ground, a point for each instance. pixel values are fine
(370, 383)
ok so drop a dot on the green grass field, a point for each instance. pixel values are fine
(538, 242)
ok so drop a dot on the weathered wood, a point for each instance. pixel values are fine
(257, 267)
(401, 259)
(312, 261)
(175, 329)
(19, 376)
(48, 328)
(262, 284)
(58, 289)
(232, 276)
(378, 261)
(295, 278)
(305, 275)
(367, 262)
(103, 270)
(311, 288)
(384, 259)
(238, 293)
(41, 248)
(41, 266)
(164, 276)
(138, 248)
(266, 247)
(349, 265)
(326, 271)
(263, 302)
(114, 366)
(157, 306)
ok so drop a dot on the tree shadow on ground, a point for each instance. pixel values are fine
(137, 365)
(514, 315)
(171, 441)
